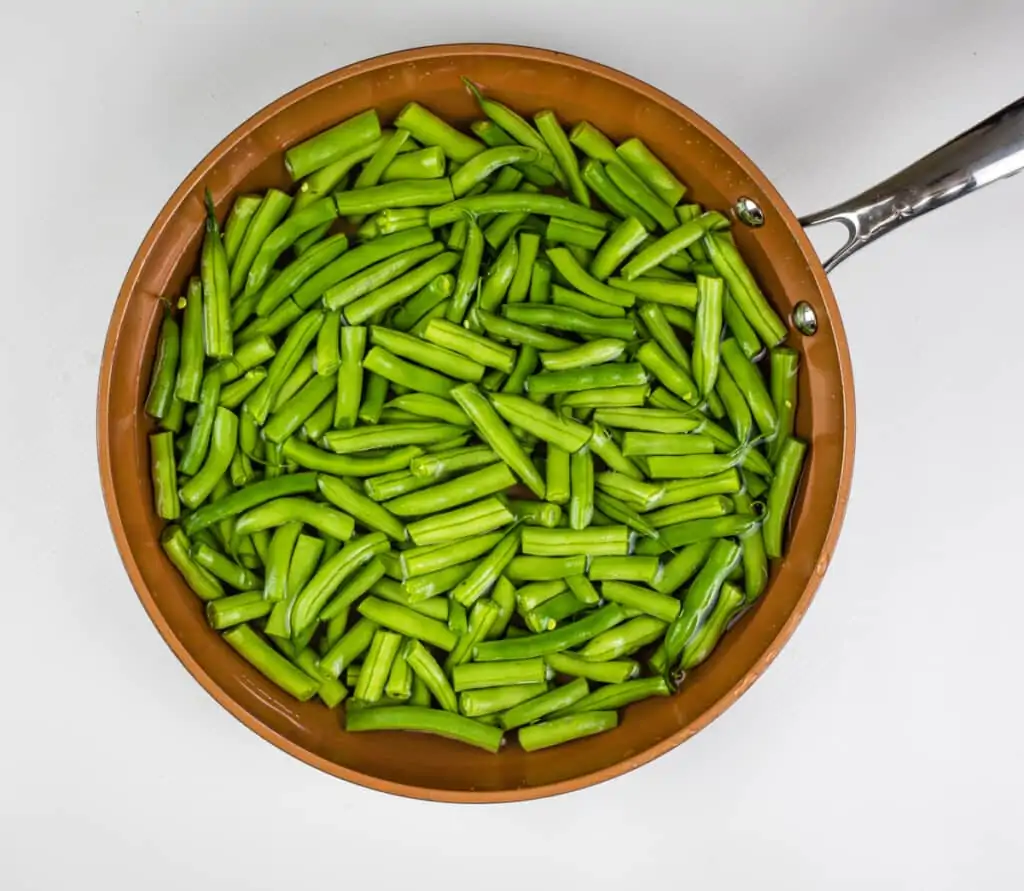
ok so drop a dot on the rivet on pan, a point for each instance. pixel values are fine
(805, 319)
(749, 211)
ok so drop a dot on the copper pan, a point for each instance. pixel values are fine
(720, 176)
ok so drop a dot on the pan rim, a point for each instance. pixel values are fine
(131, 280)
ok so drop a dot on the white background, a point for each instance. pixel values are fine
(882, 750)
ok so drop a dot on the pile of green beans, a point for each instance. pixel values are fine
(482, 432)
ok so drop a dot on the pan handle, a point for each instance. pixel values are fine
(989, 151)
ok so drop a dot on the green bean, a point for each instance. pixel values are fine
(352, 589)
(485, 574)
(350, 647)
(535, 513)
(708, 331)
(624, 239)
(389, 221)
(529, 247)
(581, 588)
(234, 394)
(362, 439)
(377, 666)
(373, 401)
(700, 598)
(334, 176)
(624, 639)
(236, 609)
(699, 647)
(386, 152)
(425, 405)
(279, 558)
(395, 483)
(404, 193)
(520, 333)
(673, 376)
(216, 282)
(567, 265)
(625, 569)
(541, 542)
(549, 614)
(199, 439)
(610, 672)
(365, 510)
(452, 493)
(542, 422)
(300, 336)
(681, 534)
(224, 439)
(482, 617)
(617, 695)
(735, 405)
(754, 558)
(541, 706)
(479, 675)
(358, 259)
(245, 499)
(740, 328)
(575, 300)
(434, 466)
(248, 355)
(566, 232)
(691, 466)
(654, 290)
(694, 509)
(328, 345)
(593, 353)
(399, 684)
(684, 566)
(423, 587)
(651, 170)
(427, 354)
(483, 165)
(557, 473)
(639, 493)
(428, 163)
(547, 642)
(558, 143)
(427, 670)
(781, 492)
(370, 279)
(525, 365)
(581, 488)
(619, 512)
(540, 281)
(494, 432)
(536, 569)
(437, 291)
(638, 193)
(561, 730)
(295, 508)
(189, 374)
(165, 368)
(405, 621)
(312, 458)
(458, 618)
(242, 212)
(426, 720)
(224, 568)
(592, 142)
(750, 383)
(468, 275)
(398, 290)
(784, 366)
(175, 544)
(624, 374)
(531, 596)
(677, 240)
(326, 147)
(271, 211)
(298, 271)
(476, 519)
(652, 603)
(621, 397)
(744, 289)
(429, 129)
(491, 700)
(566, 318)
(164, 475)
(491, 134)
(272, 325)
(271, 664)
(290, 417)
(596, 176)
(349, 384)
(497, 281)
(481, 351)
(515, 202)
(305, 556)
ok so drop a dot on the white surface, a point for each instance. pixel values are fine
(882, 750)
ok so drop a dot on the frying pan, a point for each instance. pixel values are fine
(771, 238)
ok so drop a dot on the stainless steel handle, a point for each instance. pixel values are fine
(994, 149)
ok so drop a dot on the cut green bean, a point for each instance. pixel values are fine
(594, 541)
(744, 289)
(625, 569)
(165, 368)
(596, 176)
(781, 493)
(271, 664)
(365, 510)
(236, 609)
(682, 534)
(491, 700)
(605, 397)
(361, 439)
(164, 475)
(581, 488)
(464, 522)
(624, 639)
(479, 675)
(593, 353)
(175, 544)
(515, 202)
(651, 603)
(784, 366)
(377, 666)
(486, 573)
(677, 491)
(613, 374)
(562, 730)
(652, 171)
(537, 569)
(610, 672)
(405, 621)
(428, 129)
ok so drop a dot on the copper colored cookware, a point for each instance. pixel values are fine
(719, 176)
